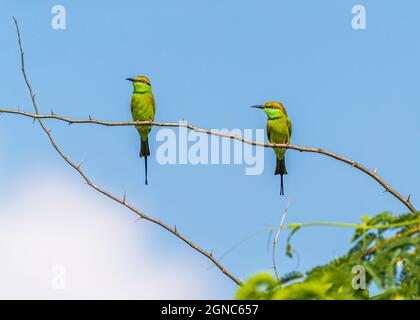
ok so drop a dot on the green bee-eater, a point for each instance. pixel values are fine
(143, 109)
(279, 130)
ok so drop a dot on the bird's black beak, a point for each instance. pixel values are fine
(258, 107)
(130, 79)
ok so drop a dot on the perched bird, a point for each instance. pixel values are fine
(143, 109)
(279, 130)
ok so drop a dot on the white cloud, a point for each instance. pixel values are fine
(48, 223)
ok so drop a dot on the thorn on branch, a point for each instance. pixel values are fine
(138, 219)
(79, 165)
(52, 112)
(175, 229)
(408, 198)
(90, 118)
(125, 196)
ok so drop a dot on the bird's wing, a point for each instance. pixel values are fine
(131, 105)
(268, 132)
(289, 125)
(154, 106)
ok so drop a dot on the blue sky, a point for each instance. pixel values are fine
(353, 92)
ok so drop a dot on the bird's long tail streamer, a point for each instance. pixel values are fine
(145, 169)
(281, 170)
(281, 185)
(144, 152)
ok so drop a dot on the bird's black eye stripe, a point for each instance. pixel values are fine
(143, 81)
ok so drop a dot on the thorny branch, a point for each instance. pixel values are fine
(371, 173)
(99, 189)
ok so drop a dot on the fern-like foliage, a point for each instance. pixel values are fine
(384, 254)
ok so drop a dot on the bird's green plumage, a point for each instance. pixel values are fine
(143, 109)
(279, 130)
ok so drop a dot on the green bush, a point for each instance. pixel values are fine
(390, 263)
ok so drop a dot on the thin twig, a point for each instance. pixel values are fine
(183, 124)
(99, 189)
(276, 237)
